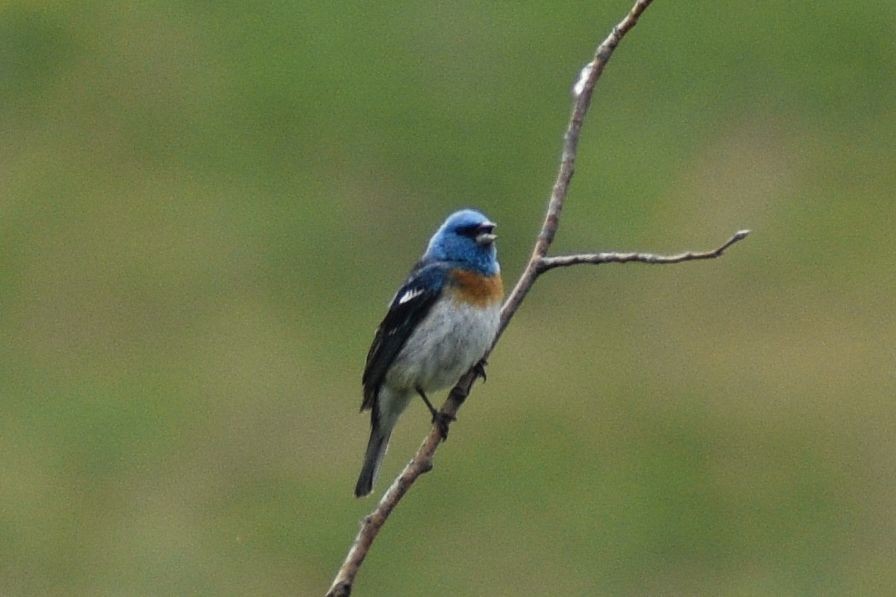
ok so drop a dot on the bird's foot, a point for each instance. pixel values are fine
(479, 369)
(439, 419)
(442, 421)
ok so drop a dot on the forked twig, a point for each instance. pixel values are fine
(549, 263)
(538, 263)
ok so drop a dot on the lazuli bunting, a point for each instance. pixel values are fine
(439, 325)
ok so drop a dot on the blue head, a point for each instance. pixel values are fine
(466, 238)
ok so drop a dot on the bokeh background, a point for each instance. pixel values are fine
(206, 207)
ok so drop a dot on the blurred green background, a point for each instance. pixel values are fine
(206, 207)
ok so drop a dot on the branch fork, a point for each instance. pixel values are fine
(538, 264)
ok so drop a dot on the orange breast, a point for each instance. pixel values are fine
(477, 289)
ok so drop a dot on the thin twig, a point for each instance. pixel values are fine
(422, 461)
(567, 162)
(548, 263)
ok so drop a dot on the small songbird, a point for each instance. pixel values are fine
(439, 325)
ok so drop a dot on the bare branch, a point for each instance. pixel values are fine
(585, 88)
(548, 263)
(537, 264)
(370, 526)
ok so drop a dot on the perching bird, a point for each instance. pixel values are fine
(439, 325)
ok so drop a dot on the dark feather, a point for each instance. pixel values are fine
(420, 291)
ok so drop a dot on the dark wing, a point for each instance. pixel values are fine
(410, 305)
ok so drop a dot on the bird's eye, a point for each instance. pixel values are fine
(469, 231)
(475, 230)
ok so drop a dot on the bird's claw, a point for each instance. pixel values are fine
(442, 421)
(479, 369)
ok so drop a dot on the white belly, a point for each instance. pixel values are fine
(450, 340)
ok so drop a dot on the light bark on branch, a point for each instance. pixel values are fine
(549, 263)
(538, 263)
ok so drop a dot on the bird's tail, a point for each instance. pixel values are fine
(373, 457)
(383, 415)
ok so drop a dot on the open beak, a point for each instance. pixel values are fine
(486, 234)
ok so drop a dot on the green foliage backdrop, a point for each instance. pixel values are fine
(206, 206)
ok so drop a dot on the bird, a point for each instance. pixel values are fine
(438, 326)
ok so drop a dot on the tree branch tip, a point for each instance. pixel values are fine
(736, 237)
